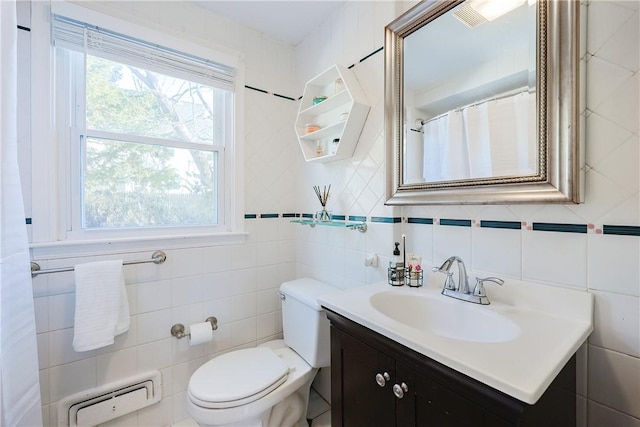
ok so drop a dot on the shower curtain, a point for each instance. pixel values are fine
(19, 379)
(435, 132)
(446, 156)
(495, 138)
(512, 128)
(476, 127)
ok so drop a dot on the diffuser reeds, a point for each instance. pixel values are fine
(323, 195)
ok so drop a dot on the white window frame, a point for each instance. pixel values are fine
(55, 179)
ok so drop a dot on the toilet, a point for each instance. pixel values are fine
(267, 386)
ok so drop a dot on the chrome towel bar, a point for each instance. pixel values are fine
(158, 257)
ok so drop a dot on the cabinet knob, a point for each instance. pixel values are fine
(381, 379)
(400, 389)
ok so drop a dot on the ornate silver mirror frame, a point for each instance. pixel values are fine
(560, 157)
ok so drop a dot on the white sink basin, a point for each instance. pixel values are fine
(517, 344)
(465, 321)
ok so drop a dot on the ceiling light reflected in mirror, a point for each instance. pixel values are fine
(475, 12)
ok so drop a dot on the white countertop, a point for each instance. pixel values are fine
(553, 321)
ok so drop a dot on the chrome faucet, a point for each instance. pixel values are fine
(463, 279)
(462, 291)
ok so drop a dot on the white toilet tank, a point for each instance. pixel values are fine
(304, 323)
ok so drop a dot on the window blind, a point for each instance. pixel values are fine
(75, 35)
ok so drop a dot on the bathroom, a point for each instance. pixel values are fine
(237, 280)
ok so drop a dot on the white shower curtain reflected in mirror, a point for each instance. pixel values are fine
(436, 133)
(491, 139)
(19, 378)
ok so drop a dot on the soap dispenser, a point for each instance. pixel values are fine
(396, 259)
(395, 271)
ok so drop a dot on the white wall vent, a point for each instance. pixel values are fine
(104, 403)
(469, 16)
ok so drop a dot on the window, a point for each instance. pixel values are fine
(150, 133)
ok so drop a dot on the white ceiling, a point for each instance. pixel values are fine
(288, 21)
(447, 47)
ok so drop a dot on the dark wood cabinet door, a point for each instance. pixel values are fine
(434, 395)
(429, 404)
(363, 401)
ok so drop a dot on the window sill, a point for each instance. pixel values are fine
(44, 250)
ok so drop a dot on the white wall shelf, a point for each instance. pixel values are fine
(329, 114)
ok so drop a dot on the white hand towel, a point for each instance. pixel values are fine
(102, 309)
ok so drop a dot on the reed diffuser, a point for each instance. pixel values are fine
(323, 197)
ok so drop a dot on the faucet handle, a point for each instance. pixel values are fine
(448, 282)
(479, 291)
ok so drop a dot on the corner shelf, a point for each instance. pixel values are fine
(361, 226)
(328, 115)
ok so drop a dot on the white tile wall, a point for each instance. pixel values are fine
(605, 256)
(237, 283)
(611, 380)
(617, 317)
(600, 415)
(449, 240)
(497, 250)
(565, 263)
(610, 374)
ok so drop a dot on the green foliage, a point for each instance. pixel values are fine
(129, 184)
(115, 165)
(105, 209)
(115, 109)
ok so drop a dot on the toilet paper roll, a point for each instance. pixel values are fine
(200, 333)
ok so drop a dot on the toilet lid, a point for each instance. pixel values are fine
(237, 378)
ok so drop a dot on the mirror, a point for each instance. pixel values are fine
(481, 104)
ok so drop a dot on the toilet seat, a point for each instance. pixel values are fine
(237, 378)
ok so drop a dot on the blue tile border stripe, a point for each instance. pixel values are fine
(266, 92)
(386, 219)
(510, 225)
(256, 89)
(270, 215)
(372, 53)
(284, 96)
(420, 220)
(456, 222)
(562, 228)
(621, 230)
(616, 230)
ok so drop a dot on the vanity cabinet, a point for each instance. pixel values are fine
(378, 382)
(331, 115)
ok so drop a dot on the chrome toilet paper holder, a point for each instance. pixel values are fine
(177, 330)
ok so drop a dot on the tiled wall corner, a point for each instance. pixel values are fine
(237, 284)
(562, 245)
